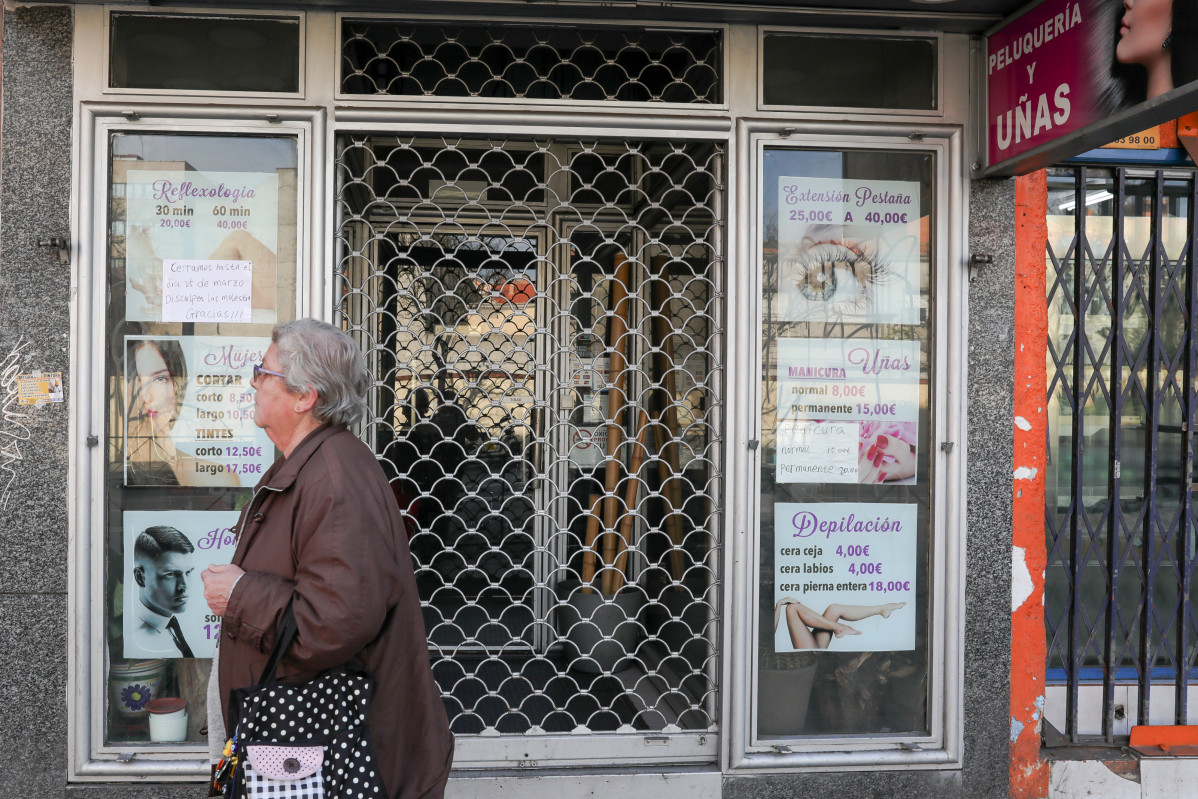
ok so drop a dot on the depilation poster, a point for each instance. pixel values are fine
(848, 250)
(844, 577)
(201, 246)
(848, 411)
(164, 611)
(189, 412)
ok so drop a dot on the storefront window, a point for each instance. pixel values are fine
(846, 503)
(201, 264)
(205, 53)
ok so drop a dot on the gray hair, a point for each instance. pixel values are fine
(324, 358)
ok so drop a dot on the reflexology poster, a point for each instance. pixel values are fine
(848, 411)
(190, 412)
(844, 577)
(848, 250)
(163, 605)
(201, 246)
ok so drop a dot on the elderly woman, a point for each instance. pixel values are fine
(323, 532)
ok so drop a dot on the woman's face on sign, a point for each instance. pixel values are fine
(155, 387)
(1142, 32)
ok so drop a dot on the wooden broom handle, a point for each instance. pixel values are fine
(617, 372)
(668, 463)
(588, 552)
(618, 575)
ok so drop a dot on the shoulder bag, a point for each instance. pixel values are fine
(304, 740)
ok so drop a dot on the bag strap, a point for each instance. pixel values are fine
(283, 639)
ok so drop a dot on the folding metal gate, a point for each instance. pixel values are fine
(1120, 589)
(543, 320)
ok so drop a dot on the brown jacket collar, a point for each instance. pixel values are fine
(283, 473)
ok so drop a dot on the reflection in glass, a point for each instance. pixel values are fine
(159, 475)
(845, 657)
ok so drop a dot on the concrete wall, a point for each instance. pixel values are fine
(35, 186)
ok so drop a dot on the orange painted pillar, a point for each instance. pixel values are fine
(1029, 773)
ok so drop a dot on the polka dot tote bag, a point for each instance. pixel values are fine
(304, 740)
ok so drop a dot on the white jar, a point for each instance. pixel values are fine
(168, 719)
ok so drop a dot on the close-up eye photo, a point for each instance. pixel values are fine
(839, 272)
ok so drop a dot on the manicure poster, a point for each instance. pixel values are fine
(189, 412)
(848, 411)
(201, 246)
(844, 577)
(163, 605)
(848, 250)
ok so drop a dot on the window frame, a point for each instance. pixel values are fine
(941, 73)
(193, 11)
(685, 109)
(942, 748)
(90, 757)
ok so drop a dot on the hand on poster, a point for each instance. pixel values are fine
(219, 579)
(887, 452)
(164, 552)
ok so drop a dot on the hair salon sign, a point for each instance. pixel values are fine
(1036, 77)
(1070, 75)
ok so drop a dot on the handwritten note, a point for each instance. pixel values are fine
(206, 291)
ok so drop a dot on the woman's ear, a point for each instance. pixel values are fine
(306, 401)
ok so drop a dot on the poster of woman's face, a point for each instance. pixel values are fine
(1087, 67)
(189, 412)
(1147, 48)
(163, 600)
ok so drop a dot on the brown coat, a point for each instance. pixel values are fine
(323, 527)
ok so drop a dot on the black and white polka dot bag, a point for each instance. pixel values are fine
(305, 740)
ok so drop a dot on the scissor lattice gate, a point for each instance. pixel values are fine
(1121, 592)
(543, 320)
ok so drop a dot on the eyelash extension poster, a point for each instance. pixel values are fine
(848, 411)
(848, 250)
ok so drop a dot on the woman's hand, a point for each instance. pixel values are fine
(219, 579)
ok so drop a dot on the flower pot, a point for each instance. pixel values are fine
(602, 631)
(131, 686)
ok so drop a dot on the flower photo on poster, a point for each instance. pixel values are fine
(163, 605)
(189, 412)
(201, 246)
(844, 577)
(848, 250)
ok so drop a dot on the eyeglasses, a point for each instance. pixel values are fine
(259, 371)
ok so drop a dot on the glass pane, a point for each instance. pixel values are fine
(849, 71)
(228, 54)
(846, 437)
(201, 264)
